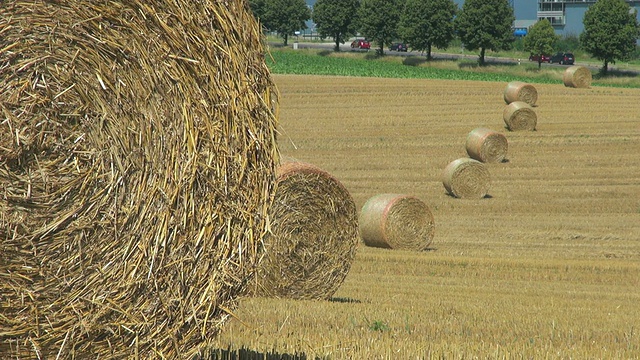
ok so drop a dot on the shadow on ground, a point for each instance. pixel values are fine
(615, 73)
(345, 300)
(247, 354)
(419, 60)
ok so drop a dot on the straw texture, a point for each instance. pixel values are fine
(396, 221)
(486, 145)
(137, 165)
(520, 116)
(314, 235)
(466, 178)
(520, 91)
(577, 76)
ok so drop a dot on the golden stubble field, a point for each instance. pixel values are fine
(547, 266)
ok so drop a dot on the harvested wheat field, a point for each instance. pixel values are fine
(546, 266)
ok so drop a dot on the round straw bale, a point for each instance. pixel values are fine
(577, 76)
(520, 116)
(314, 235)
(396, 221)
(486, 145)
(466, 178)
(138, 161)
(520, 91)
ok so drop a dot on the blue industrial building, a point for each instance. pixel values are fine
(566, 15)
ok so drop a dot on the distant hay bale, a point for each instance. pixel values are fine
(520, 91)
(466, 178)
(577, 77)
(396, 221)
(314, 237)
(137, 166)
(486, 145)
(520, 116)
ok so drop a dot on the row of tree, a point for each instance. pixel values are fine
(611, 27)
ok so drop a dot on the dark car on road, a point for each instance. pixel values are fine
(563, 58)
(543, 58)
(398, 47)
(361, 44)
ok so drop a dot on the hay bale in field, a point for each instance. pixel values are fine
(396, 221)
(486, 145)
(314, 236)
(137, 166)
(577, 76)
(520, 116)
(466, 178)
(520, 91)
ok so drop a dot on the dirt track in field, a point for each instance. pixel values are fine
(569, 189)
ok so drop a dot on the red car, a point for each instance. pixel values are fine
(361, 44)
(545, 58)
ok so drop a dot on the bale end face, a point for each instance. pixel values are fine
(396, 221)
(520, 91)
(156, 158)
(486, 145)
(314, 236)
(520, 116)
(577, 76)
(466, 178)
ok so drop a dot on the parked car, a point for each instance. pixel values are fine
(398, 47)
(543, 57)
(361, 44)
(563, 58)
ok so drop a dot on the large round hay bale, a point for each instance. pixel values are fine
(520, 116)
(137, 166)
(396, 221)
(520, 91)
(466, 178)
(486, 145)
(577, 76)
(314, 235)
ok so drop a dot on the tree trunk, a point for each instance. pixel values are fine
(286, 38)
(337, 37)
(605, 67)
(481, 59)
(428, 52)
(539, 62)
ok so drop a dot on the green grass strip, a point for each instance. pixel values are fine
(309, 63)
(305, 62)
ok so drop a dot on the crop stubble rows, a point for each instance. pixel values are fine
(547, 265)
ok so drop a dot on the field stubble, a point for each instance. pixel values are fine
(547, 266)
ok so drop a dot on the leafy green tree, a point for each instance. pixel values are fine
(285, 16)
(485, 25)
(540, 39)
(258, 9)
(610, 31)
(336, 19)
(379, 20)
(427, 23)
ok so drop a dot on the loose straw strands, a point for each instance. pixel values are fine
(520, 116)
(577, 76)
(396, 221)
(314, 235)
(137, 165)
(520, 91)
(486, 145)
(466, 178)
